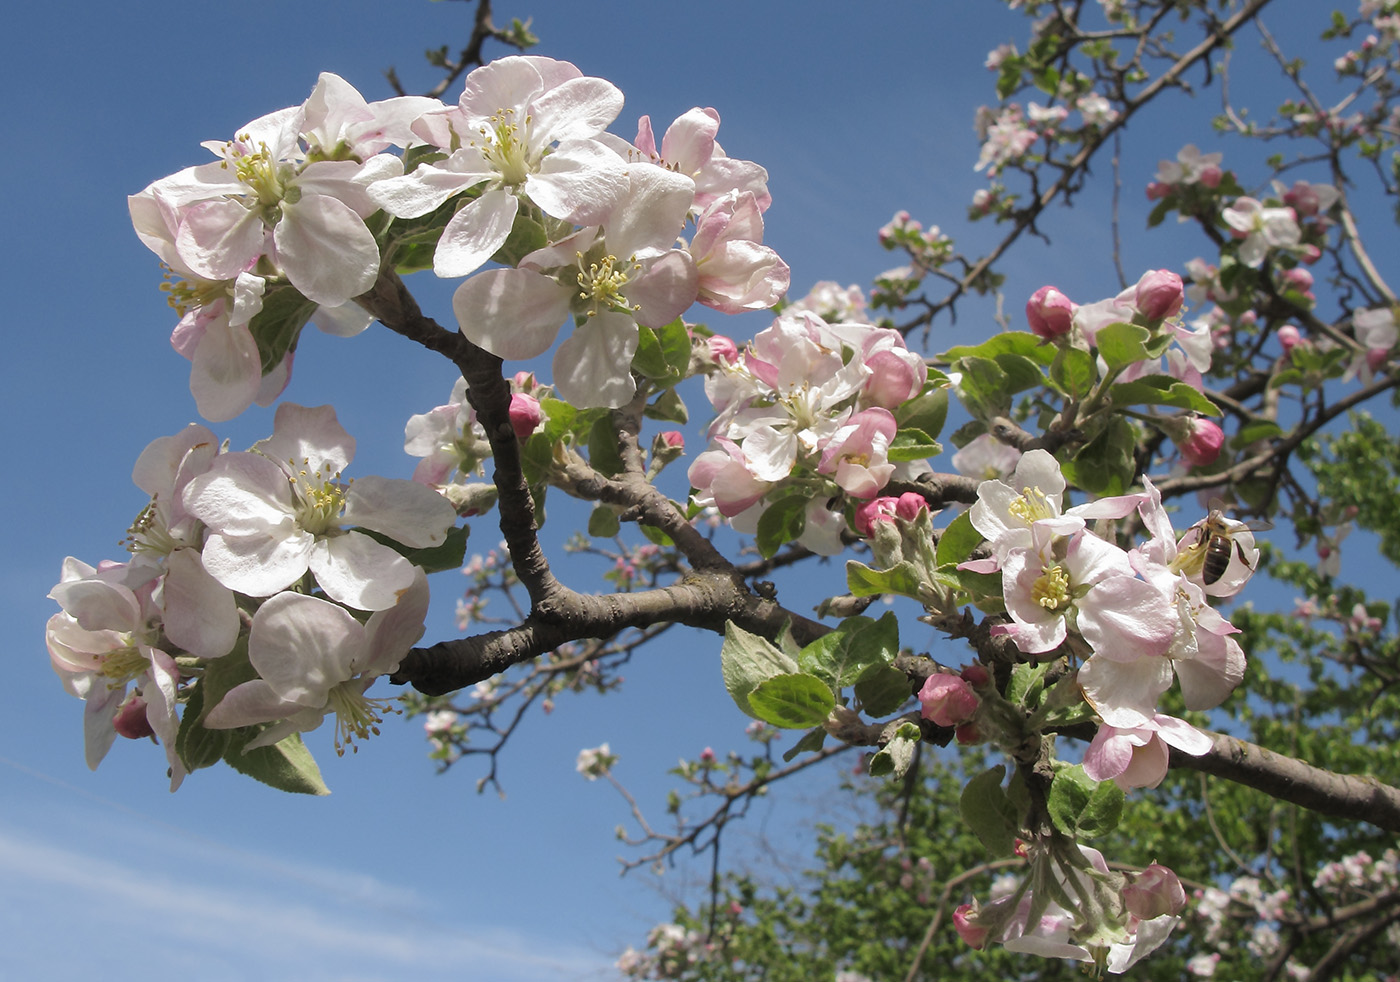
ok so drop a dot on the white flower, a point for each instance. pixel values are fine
(281, 509)
(1261, 228)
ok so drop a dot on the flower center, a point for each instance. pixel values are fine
(265, 177)
(1032, 506)
(504, 149)
(124, 664)
(356, 716)
(149, 535)
(184, 295)
(1051, 589)
(321, 497)
(602, 282)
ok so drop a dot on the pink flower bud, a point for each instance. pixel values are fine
(1210, 176)
(1289, 336)
(1202, 444)
(869, 513)
(1155, 892)
(1298, 279)
(910, 505)
(1050, 312)
(976, 674)
(1159, 294)
(1158, 190)
(525, 415)
(722, 349)
(972, 933)
(674, 439)
(967, 734)
(1311, 254)
(524, 382)
(948, 700)
(131, 721)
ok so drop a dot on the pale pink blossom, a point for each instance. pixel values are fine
(1261, 228)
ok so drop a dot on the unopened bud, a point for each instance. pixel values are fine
(471, 499)
(131, 721)
(1159, 294)
(1050, 313)
(525, 415)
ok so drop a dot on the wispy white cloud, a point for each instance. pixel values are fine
(270, 921)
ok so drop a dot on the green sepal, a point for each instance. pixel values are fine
(278, 324)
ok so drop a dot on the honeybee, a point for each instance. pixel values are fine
(1210, 546)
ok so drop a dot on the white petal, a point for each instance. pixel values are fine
(512, 313)
(593, 367)
(200, 613)
(410, 513)
(259, 565)
(302, 646)
(326, 250)
(581, 182)
(241, 493)
(308, 437)
(475, 233)
(359, 572)
(225, 371)
(220, 239)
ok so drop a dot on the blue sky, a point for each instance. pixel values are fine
(856, 112)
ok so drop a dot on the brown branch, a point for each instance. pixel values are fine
(1297, 782)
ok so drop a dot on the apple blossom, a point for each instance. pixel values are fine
(1158, 294)
(1202, 443)
(1261, 228)
(281, 509)
(526, 127)
(1136, 757)
(313, 658)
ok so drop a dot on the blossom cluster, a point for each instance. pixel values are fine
(587, 226)
(807, 409)
(259, 558)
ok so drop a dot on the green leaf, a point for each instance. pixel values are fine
(278, 324)
(1122, 344)
(1105, 466)
(839, 658)
(912, 444)
(1021, 372)
(1073, 372)
(537, 458)
(434, 559)
(811, 742)
(603, 523)
(882, 689)
(668, 407)
(794, 701)
(902, 579)
(782, 521)
(197, 746)
(650, 360)
(1259, 429)
(1026, 684)
(989, 813)
(1082, 807)
(603, 453)
(286, 766)
(1021, 343)
(984, 388)
(895, 757)
(926, 412)
(221, 675)
(656, 535)
(1161, 390)
(559, 419)
(675, 346)
(748, 659)
(958, 541)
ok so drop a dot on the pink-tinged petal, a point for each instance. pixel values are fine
(665, 291)
(97, 605)
(1146, 768)
(220, 239)
(418, 193)
(1111, 752)
(1208, 679)
(275, 381)
(645, 141)
(326, 250)
(582, 181)
(593, 367)
(360, 572)
(344, 321)
(200, 614)
(164, 457)
(1125, 618)
(410, 513)
(1183, 736)
(225, 371)
(303, 646)
(742, 275)
(159, 691)
(650, 218)
(506, 83)
(241, 493)
(248, 704)
(393, 631)
(513, 313)
(1124, 694)
(308, 438)
(259, 565)
(574, 110)
(475, 233)
(689, 142)
(99, 727)
(770, 453)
